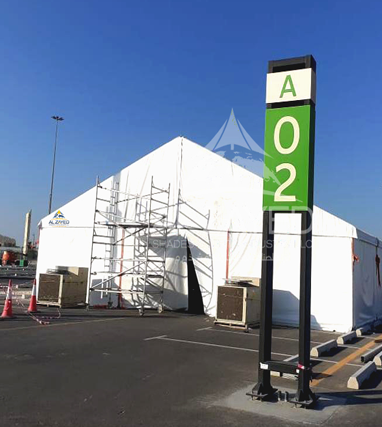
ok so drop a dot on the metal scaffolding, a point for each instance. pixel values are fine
(144, 238)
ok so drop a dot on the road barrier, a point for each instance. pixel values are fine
(366, 357)
(345, 338)
(378, 359)
(363, 331)
(323, 348)
(356, 380)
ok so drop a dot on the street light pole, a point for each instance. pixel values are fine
(58, 119)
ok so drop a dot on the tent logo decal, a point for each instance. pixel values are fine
(59, 220)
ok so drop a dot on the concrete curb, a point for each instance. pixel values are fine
(323, 348)
(343, 339)
(378, 359)
(366, 357)
(363, 331)
(356, 380)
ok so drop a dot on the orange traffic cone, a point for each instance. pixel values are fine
(7, 312)
(33, 302)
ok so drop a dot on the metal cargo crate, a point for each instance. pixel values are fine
(238, 305)
(65, 288)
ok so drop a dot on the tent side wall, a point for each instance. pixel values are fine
(331, 274)
(68, 245)
(367, 289)
(331, 304)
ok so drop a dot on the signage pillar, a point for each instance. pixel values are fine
(288, 189)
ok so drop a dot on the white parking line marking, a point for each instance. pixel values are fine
(327, 332)
(206, 344)
(252, 334)
(210, 329)
(155, 338)
(73, 322)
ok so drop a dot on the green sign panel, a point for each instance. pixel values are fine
(289, 159)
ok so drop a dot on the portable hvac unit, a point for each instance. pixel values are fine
(238, 305)
(63, 287)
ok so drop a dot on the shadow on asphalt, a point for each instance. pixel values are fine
(335, 351)
(356, 397)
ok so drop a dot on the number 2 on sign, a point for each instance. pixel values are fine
(279, 197)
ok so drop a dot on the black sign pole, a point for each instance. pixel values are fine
(304, 395)
(263, 388)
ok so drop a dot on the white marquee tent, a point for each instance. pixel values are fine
(212, 198)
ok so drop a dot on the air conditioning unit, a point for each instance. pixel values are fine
(63, 287)
(238, 305)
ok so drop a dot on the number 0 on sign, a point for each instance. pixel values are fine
(288, 177)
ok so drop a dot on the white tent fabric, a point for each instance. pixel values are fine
(211, 197)
(367, 288)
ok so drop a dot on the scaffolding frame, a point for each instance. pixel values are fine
(146, 235)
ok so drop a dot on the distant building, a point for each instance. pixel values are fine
(7, 241)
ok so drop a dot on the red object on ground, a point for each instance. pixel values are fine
(8, 258)
(7, 312)
(33, 302)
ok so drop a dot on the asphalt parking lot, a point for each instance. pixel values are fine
(114, 368)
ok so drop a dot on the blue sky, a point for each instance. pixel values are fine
(128, 76)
